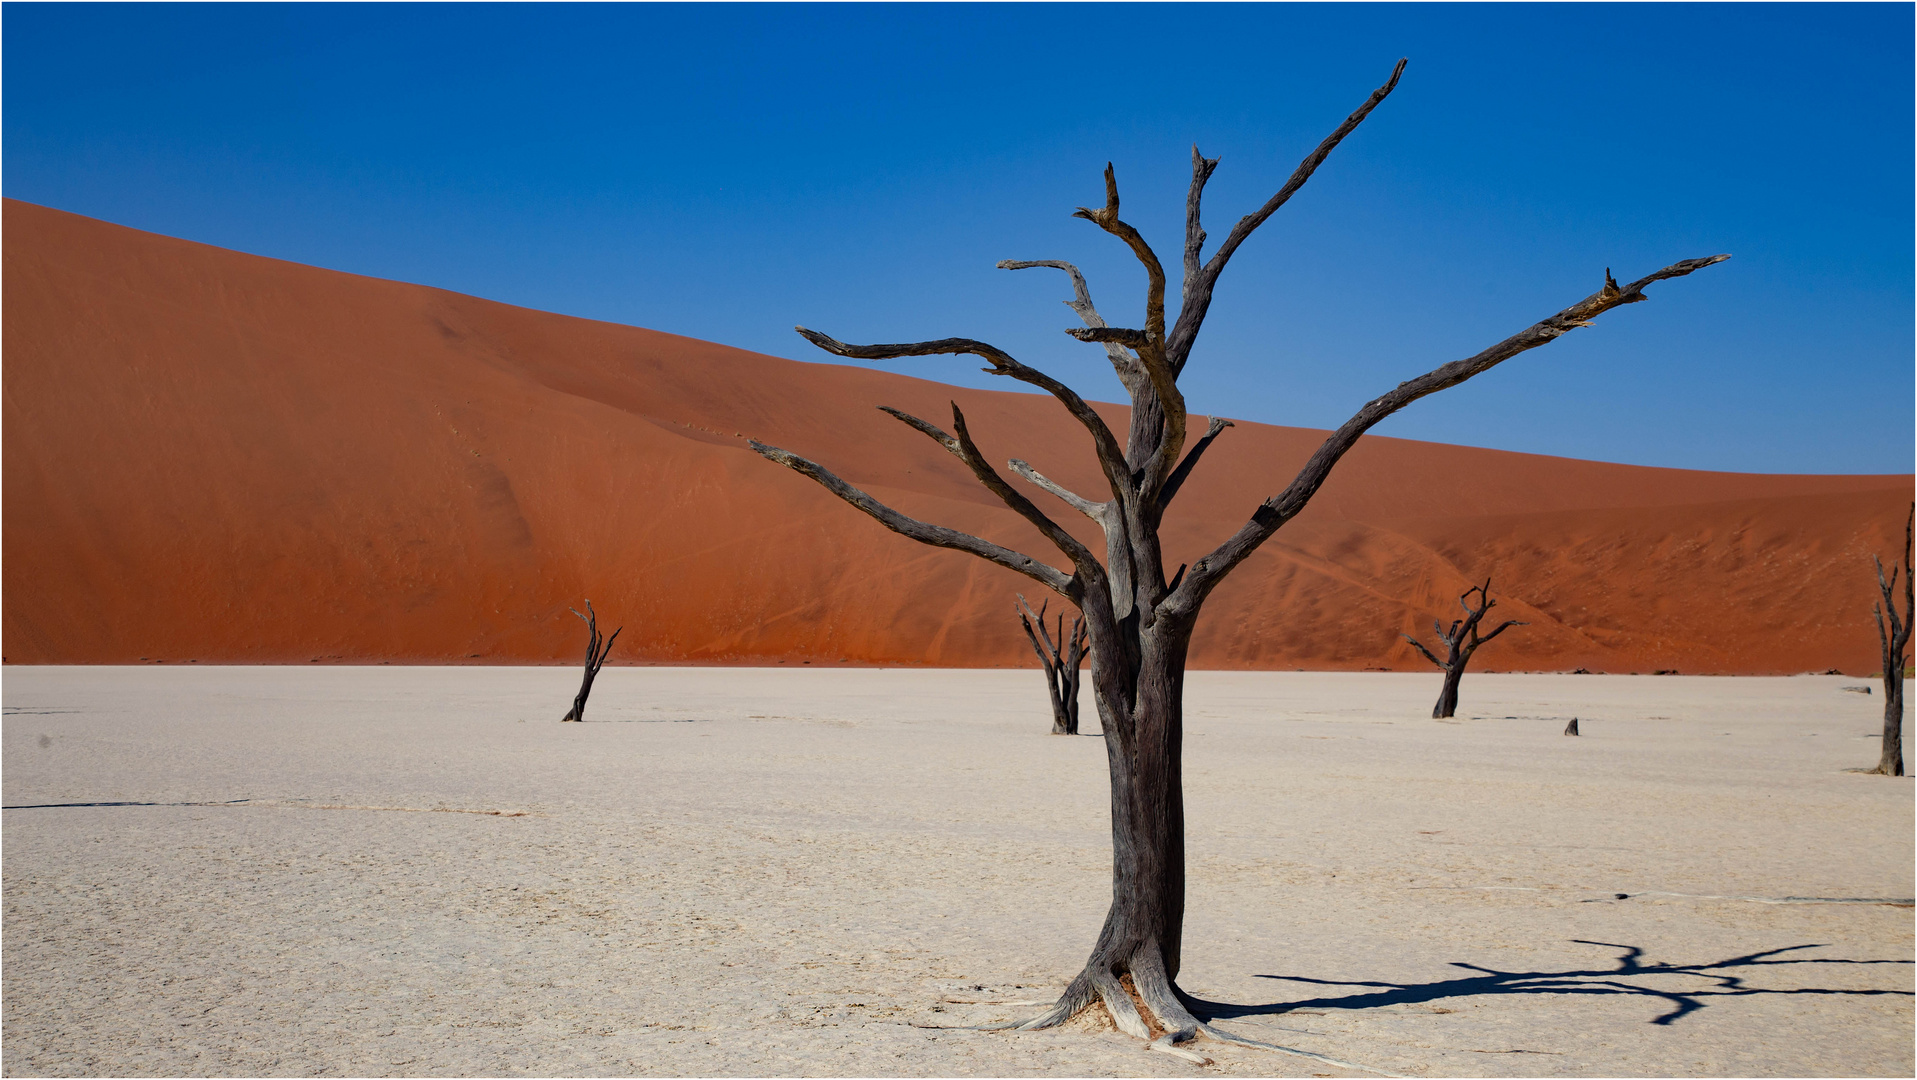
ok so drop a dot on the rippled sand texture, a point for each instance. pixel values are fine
(744, 872)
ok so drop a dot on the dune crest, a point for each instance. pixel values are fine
(218, 457)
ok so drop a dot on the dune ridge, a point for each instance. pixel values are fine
(219, 457)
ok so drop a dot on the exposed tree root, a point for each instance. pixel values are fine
(1147, 1006)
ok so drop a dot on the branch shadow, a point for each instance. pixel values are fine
(1600, 981)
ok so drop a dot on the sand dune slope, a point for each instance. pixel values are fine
(213, 456)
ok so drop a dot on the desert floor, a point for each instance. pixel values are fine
(419, 871)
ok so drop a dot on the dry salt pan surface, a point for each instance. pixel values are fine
(745, 872)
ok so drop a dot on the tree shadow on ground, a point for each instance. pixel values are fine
(1724, 978)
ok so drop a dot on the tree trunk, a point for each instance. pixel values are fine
(577, 714)
(1140, 695)
(1074, 658)
(1448, 697)
(1062, 688)
(1892, 761)
(1070, 716)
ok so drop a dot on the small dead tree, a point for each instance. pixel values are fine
(1893, 640)
(1460, 642)
(1139, 618)
(1061, 657)
(595, 659)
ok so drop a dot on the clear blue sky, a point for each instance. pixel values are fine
(726, 171)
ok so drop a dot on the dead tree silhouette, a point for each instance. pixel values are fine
(1460, 642)
(595, 659)
(1061, 657)
(1140, 619)
(1893, 642)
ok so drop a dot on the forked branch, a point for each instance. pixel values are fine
(967, 451)
(1129, 371)
(923, 532)
(1110, 456)
(1275, 511)
(1178, 476)
(1200, 281)
(1095, 511)
(1148, 343)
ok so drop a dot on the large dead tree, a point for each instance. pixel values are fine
(1894, 639)
(595, 659)
(1139, 617)
(1061, 656)
(1459, 643)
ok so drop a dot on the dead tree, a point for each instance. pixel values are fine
(1893, 640)
(1061, 657)
(1460, 642)
(595, 659)
(1140, 618)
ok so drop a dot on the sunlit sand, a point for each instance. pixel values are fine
(723, 871)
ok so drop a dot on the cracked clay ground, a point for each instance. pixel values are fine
(373, 871)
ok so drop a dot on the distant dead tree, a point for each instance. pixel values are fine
(1460, 642)
(595, 659)
(1139, 618)
(1893, 640)
(1061, 657)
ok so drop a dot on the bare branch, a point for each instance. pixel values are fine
(1198, 286)
(962, 448)
(1151, 349)
(1024, 609)
(1135, 339)
(1080, 555)
(1275, 511)
(1899, 629)
(1109, 220)
(931, 431)
(1177, 479)
(1201, 170)
(924, 533)
(1910, 579)
(1508, 624)
(1110, 456)
(1095, 511)
(607, 651)
(1419, 645)
(1484, 596)
(1127, 366)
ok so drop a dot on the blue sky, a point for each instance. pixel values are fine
(727, 171)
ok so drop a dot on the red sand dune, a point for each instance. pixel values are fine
(222, 458)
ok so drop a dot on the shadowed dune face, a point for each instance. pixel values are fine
(218, 457)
